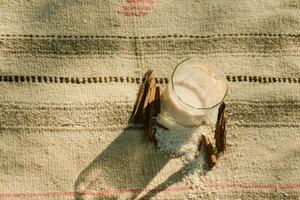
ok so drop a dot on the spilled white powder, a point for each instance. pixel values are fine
(195, 169)
(183, 142)
(180, 140)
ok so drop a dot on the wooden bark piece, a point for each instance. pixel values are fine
(157, 101)
(220, 132)
(211, 158)
(149, 106)
(137, 113)
(149, 89)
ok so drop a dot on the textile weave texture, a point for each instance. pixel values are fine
(70, 72)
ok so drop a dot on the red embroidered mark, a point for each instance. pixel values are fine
(136, 8)
(136, 1)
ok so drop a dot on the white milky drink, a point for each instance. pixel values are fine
(196, 89)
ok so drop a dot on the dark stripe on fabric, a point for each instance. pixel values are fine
(133, 80)
(151, 46)
(117, 114)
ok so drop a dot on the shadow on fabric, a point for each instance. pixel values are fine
(123, 169)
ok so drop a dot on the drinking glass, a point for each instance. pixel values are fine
(196, 90)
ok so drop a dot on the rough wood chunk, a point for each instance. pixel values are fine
(157, 101)
(147, 106)
(220, 132)
(137, 115)
(150, 89)
(211, 158)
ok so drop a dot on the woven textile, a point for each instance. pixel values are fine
(70, 71)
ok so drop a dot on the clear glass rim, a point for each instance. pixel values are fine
(202, 108)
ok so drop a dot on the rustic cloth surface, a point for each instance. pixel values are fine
(70, 71)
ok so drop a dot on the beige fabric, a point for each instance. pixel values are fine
(70, 71)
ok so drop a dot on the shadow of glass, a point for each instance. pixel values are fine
(123, 169)
(188, 169)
